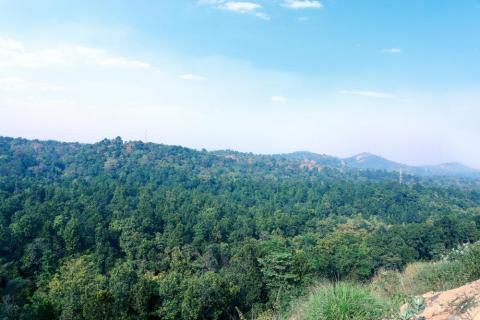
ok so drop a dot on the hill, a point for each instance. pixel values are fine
(133, 230)
(373, 162)
(368, 161)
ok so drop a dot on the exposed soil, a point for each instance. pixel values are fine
(457, 304)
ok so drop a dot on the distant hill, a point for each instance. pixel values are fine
(321, 159)
(451, 168)
(368, 161)
(371, 161)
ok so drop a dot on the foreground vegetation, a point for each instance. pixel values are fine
(382, 297)
(128, 230)
(342, 301)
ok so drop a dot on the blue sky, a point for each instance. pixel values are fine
(400, 78)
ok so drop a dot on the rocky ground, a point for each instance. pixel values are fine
(457, 304)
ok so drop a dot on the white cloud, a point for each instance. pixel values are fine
(102, 58)
(242, 7)
(210, 2)
(10, 44)
(262, 16)
(392, 50)
(370, 94)
(302, 4)
(19, 84)
(14, 54)
(279, 99)
(192, 77)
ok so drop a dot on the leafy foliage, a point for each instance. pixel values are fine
(129, 230)
(343, 301)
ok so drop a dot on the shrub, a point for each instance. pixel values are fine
(389, 289)
(468, 257)
(421, 277)
(343, 301)
(389, 285)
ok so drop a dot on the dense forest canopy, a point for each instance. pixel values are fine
(133, 230)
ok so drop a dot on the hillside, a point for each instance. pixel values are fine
(133, 230)
(446, 289)
(368, 161)
(371, 161)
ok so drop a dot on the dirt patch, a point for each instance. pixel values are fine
(457, 304)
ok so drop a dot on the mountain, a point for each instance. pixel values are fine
(320, 159)
(368, 161)
(451, 168)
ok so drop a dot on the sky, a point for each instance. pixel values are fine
(397, 78)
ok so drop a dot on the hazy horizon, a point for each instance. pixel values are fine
(341, 157)
(337, 77)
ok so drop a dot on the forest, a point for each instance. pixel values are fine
(131, 230)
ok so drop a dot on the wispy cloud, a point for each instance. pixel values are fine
(302, 4)
(20, 84)
(210, 2)
(279, 99)
(14, 54)
(242, 7)
(262, 15)
(369, 94)
(102, 58)
(192, 77)
(7, 44)
(392, 50)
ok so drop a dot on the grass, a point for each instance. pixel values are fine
(436, 276)
(459, 267)
(342, 301)
(388, 290)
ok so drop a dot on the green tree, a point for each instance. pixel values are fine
(78, 291)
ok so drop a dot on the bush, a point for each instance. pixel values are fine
(388, 284)
(468, 257)
(460, 266)
(389, 289)
(422, 277)
(343, 301)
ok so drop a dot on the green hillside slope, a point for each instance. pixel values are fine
(128, 230)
